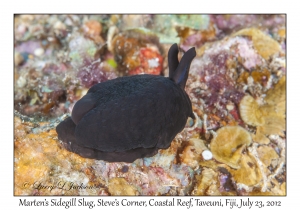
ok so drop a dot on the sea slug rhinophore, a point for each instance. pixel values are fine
(131, 117)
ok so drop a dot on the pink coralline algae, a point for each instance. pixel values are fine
(229, 23)
(250, 57)
(28, 47)
(91, 68)
(151, 180)
(215, 73)
(92, 73)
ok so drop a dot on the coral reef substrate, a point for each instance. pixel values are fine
(237, 85)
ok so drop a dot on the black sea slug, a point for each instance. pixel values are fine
(131, 117)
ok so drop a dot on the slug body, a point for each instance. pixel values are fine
(130, 117)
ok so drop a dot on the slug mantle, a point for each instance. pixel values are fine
(131, 117)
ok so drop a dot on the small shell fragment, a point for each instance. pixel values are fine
(229, 107)
(38, 52)
(207, 155)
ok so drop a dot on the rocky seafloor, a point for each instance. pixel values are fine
(237, 85)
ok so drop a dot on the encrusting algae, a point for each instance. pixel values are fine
(119, 186)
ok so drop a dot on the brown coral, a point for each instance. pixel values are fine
(250, 112)
(269, 117)
(229, 143)
(274, 124)
(277, 96)
(249, 172)
(259, 137)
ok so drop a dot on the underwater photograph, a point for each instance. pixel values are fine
(149, 104)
